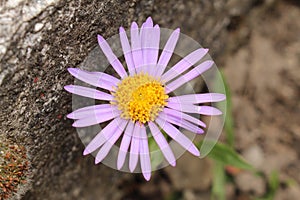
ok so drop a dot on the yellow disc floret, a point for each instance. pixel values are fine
(140, 98)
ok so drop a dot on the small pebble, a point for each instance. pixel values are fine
(248, 182)
(38, 27)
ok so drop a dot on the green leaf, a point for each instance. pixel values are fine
(273, 185)
(219, 181)
(226, 155)
(274, 181)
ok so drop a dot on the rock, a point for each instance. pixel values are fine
(192, 195)
(254, 155)
(248, 182)
(189, 195)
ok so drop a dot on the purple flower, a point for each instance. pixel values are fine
(142, 98)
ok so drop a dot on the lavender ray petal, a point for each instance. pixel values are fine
(145, 36)
(125, 145)
(167, 53)
(96, 119)
(162, 143)
(188, 76)
(181, 122)
(105, 77)
(184, 64)
(112, 58)
(198, 98)
(85, 113)
(190, 108)
(185, 116)
(102, 136)
(88, 92)
(111, 141)
(209, 110)
(149, 21)
(154, 50)
(150, 45)
(178, 136)
(93, 79)
(96, 75)
(134, 148)
(91, 108)
(137, 53)
(127, 51)
(144, 154)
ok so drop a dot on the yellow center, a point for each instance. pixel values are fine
(140, 98)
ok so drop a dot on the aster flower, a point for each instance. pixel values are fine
(140, 104)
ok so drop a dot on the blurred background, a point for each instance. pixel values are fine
(256, 45)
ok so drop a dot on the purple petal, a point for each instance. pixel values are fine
(97, 75)
(102, 136)
(149, 21)
(136, 47)
(184, 64)
(167, 53)
(96, 119)
(88, 92)
(190, 108)
(111, 141)
(91, 108)
(155, 49)
(182, 115)
(182, 123)
(91, 111)
(145, 35)
(134, 148)
(150, 45)
(127, 51)
(162, 143)
(98, 80)
(176, 135)
(125, 145)
(112, 58)
(198, 98)
(144, 154)
(106, 77)
(209, 110)
(189, 76)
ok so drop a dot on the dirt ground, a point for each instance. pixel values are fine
(264, 76)
(262, 68)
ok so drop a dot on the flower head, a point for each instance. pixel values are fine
(140, 103)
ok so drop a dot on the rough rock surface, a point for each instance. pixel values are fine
(39, 40)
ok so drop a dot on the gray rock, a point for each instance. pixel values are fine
(254, 155)
(248, 182)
